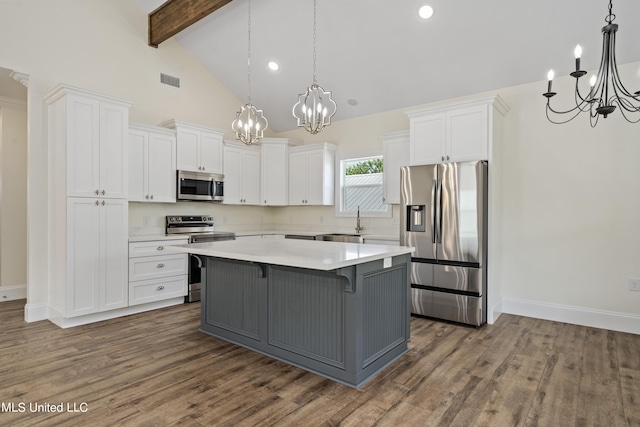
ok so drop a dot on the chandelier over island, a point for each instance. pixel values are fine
(315, 107)
(606, 91)
(250, 122)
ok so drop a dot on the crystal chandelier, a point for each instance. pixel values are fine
(315, 107)
(606, 90)
(250, 122)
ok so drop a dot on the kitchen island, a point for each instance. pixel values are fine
(340, 310)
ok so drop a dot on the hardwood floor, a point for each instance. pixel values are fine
(156, 369)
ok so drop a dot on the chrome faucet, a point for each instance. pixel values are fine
(358, 227)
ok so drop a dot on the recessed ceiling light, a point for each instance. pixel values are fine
(352, 101)
(273, 65)
(425, 12)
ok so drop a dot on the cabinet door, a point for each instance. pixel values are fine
(468, 134)
(428, 139)
(396, 155)
(275, 179)
(114, 254)
(137, 165)
(232, 176)
(83, 256)
(297, 178)
(114, 128)
(162, 168)
(188, 148)
(251, 177)
(83, 147)
(315, 177)
(211, 152)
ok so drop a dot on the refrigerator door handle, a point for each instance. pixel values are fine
(434, 186)
(437, 221)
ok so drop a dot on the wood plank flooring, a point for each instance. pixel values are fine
(156, 369)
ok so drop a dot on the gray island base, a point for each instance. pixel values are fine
(346, 324)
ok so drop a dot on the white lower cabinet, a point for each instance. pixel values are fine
(154, 273)
(96, 255)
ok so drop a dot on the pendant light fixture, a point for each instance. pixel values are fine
(250, 122)
(315, 107)
(606, 90)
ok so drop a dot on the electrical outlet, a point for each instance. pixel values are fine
(146, 220)
(396, 221)
(634, 285)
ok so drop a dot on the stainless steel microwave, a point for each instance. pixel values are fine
(200, 186)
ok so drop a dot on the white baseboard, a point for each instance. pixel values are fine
(611, 320)
(10, 293)
(55, 316)
(35, 312)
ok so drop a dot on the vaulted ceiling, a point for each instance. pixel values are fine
(381, 56)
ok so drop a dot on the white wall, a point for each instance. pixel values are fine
(571, 211)
(13, 199)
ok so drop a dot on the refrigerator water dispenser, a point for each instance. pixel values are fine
(415, 218)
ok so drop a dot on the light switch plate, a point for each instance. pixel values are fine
(634, 285)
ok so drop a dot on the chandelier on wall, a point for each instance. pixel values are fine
(606, 90)
(250, 122)
(315, 107)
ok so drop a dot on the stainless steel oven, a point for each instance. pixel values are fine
(199, 228)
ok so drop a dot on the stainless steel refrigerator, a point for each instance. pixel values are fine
(443, 210)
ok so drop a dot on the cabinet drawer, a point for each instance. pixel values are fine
(153, 247)
(145, 291)
(145, 268)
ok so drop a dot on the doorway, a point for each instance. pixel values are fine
(13, 187)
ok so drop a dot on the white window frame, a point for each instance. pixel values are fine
(340, 182)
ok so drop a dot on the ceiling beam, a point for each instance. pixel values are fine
(174, 16)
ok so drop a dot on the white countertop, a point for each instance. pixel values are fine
(311, 254)
(152, 237)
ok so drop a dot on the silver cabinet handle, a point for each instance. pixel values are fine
(442, 157)
(160, 248)
(97, 203)
(97, 192)
(447, 157)
(151, 197)
(103, 192)
(159, 288)
(160, 265)
(146, 197)
(103, 203)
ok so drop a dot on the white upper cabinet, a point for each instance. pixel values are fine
(453, 132)
(395, 153)
(92, 131)
(152, 164)
(199, 149)
(275, 170)
(241, 174)
(311, 174)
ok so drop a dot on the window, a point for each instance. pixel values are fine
(361, 186)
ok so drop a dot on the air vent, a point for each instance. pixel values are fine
(169, 80)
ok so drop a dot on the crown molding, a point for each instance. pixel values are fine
(13, 103)
(20, 77)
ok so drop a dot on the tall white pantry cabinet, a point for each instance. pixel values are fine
(88, 187)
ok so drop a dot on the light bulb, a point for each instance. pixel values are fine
(577, 51)
(550, 75)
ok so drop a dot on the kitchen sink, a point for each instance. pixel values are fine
(341, 237)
